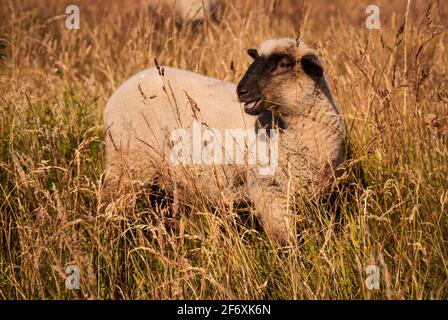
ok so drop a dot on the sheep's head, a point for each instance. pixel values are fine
(282, 76)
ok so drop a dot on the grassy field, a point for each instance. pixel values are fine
(391, 85)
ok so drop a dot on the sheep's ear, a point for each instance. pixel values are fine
(312, 65)
(253, 53)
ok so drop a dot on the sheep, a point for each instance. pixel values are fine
(283, 90)
(185, 10)
(289, 80)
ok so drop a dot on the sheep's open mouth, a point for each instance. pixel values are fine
(253, 107)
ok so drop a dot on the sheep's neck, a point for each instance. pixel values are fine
(319, 128)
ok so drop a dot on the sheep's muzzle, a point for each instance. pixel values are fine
(249, 89)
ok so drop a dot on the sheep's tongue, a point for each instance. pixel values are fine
(250, 105)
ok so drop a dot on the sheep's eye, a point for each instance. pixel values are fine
(283, 65)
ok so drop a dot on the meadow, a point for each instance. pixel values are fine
(391, 85)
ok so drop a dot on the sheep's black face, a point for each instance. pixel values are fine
(260, 73)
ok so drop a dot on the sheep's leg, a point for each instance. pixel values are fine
(271, 207)
(122, 180)
(114, 183)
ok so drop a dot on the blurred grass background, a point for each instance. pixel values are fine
(391, 85)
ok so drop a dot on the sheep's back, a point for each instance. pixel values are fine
(143, 112)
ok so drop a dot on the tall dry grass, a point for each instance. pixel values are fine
(55, 83)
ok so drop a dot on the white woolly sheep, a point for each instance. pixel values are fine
(185, 10)
(284, 88)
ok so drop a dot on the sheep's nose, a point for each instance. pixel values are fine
(242, 92)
